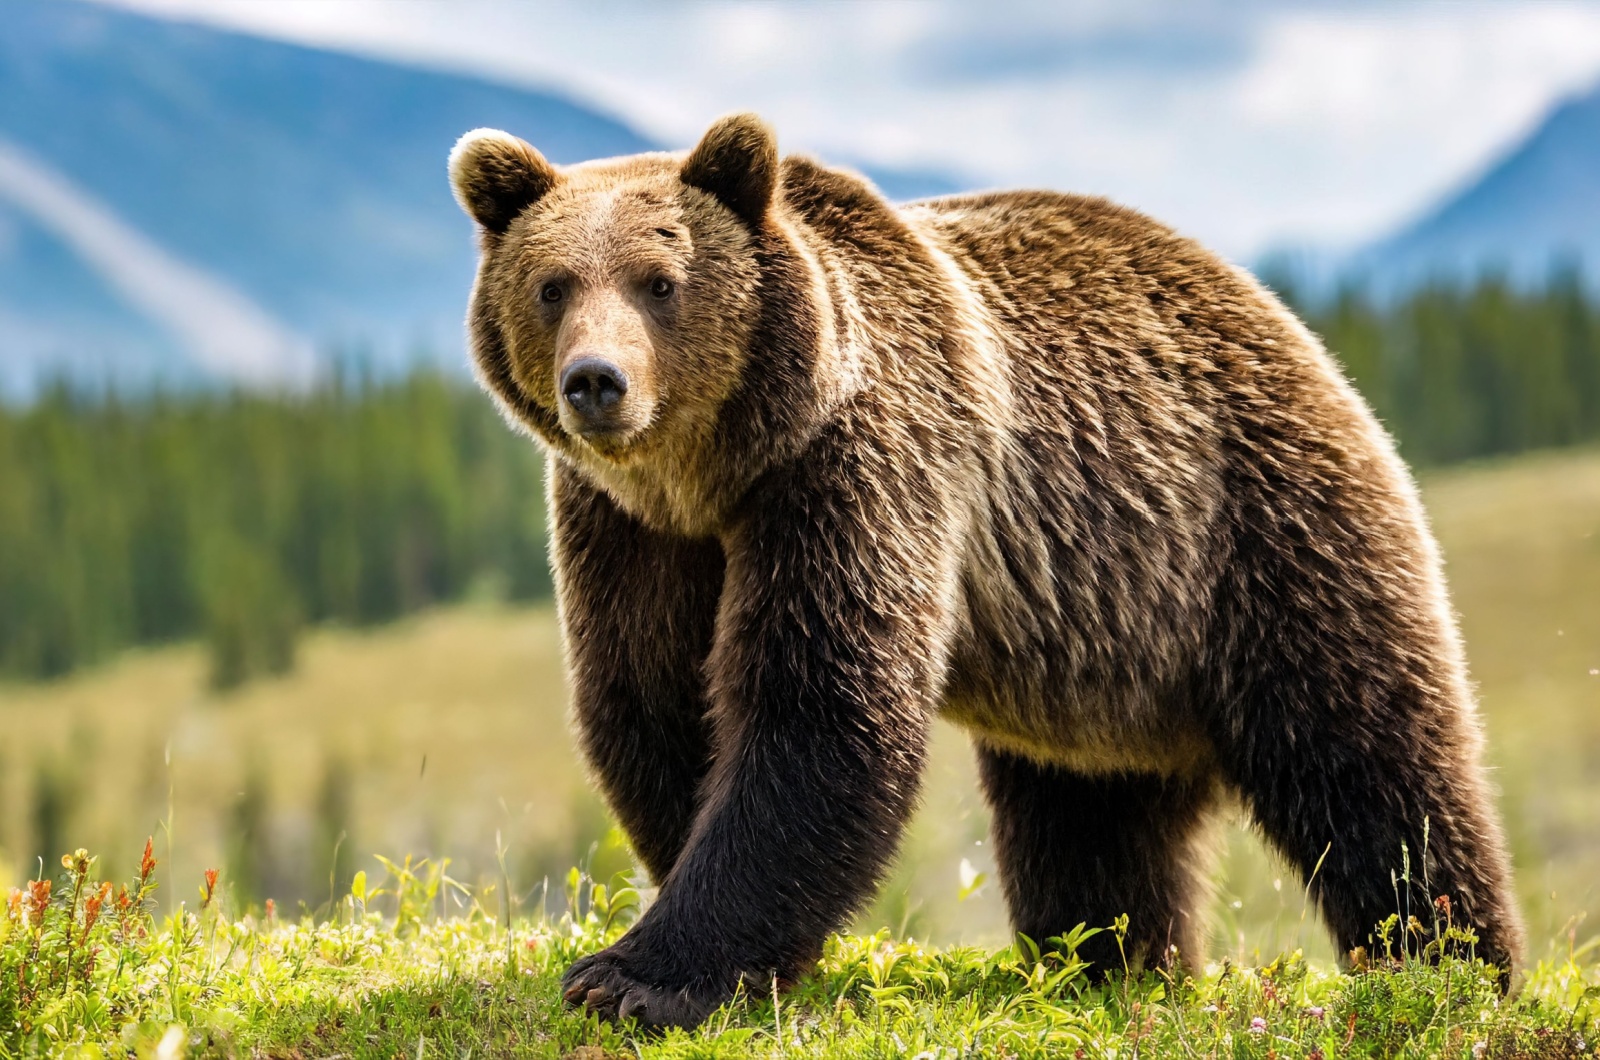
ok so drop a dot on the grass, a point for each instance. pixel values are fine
(447, 729)
(87, 972)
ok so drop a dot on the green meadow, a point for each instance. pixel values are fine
(89, 972)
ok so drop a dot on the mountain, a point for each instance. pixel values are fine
(179, 202)
(1534, 208)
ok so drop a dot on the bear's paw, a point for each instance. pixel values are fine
(618, 986)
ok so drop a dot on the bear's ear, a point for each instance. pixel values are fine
(737, 161)
(496, 176)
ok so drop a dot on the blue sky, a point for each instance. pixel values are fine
(1248, 124)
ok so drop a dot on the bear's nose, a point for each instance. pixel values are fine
(593, 387)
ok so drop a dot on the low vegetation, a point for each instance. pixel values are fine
(86, 971)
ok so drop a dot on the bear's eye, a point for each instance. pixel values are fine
(550, 293)
(661, 287)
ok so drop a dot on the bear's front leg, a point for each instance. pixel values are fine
(828, 648)
(637, 612)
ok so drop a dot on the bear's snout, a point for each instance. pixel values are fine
(593, 389)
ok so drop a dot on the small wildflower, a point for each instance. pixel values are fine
(272, 910)
(129, 922)
(147, 864)
(38, 901)
(14, 906)
(1258, 1026)
(91, 907)
(1316, 1012)
(77, 862)
(1209, 1008)
(209, 891)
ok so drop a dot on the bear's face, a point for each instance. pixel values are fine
(623, 292)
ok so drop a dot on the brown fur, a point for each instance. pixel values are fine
(1032, 460)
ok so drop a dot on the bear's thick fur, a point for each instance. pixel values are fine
(822, 467)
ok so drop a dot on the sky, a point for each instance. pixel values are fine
(1252, 125)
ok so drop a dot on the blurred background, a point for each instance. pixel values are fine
(273, 581)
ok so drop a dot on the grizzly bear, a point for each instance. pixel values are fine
(822, 467)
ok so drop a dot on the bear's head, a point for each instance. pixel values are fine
(617, 301)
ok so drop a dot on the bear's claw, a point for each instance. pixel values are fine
(607, 985)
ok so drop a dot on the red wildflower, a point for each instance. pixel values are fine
(91, 907)
(38, 901)
(210, 888)
(147, 864)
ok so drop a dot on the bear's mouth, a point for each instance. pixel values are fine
(610, 443)
(615, 442)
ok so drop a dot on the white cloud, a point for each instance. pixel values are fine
(1414, 101)
(1246, 122)
(221, 328)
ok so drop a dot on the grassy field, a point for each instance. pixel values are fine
(444, 736)
(86, 973)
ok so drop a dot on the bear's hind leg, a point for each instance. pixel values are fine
(1356, 803)
(1076, 849)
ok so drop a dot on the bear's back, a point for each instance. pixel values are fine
(1140, 332)
(1058, 266)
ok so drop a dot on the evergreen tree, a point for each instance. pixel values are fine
(238, 518)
